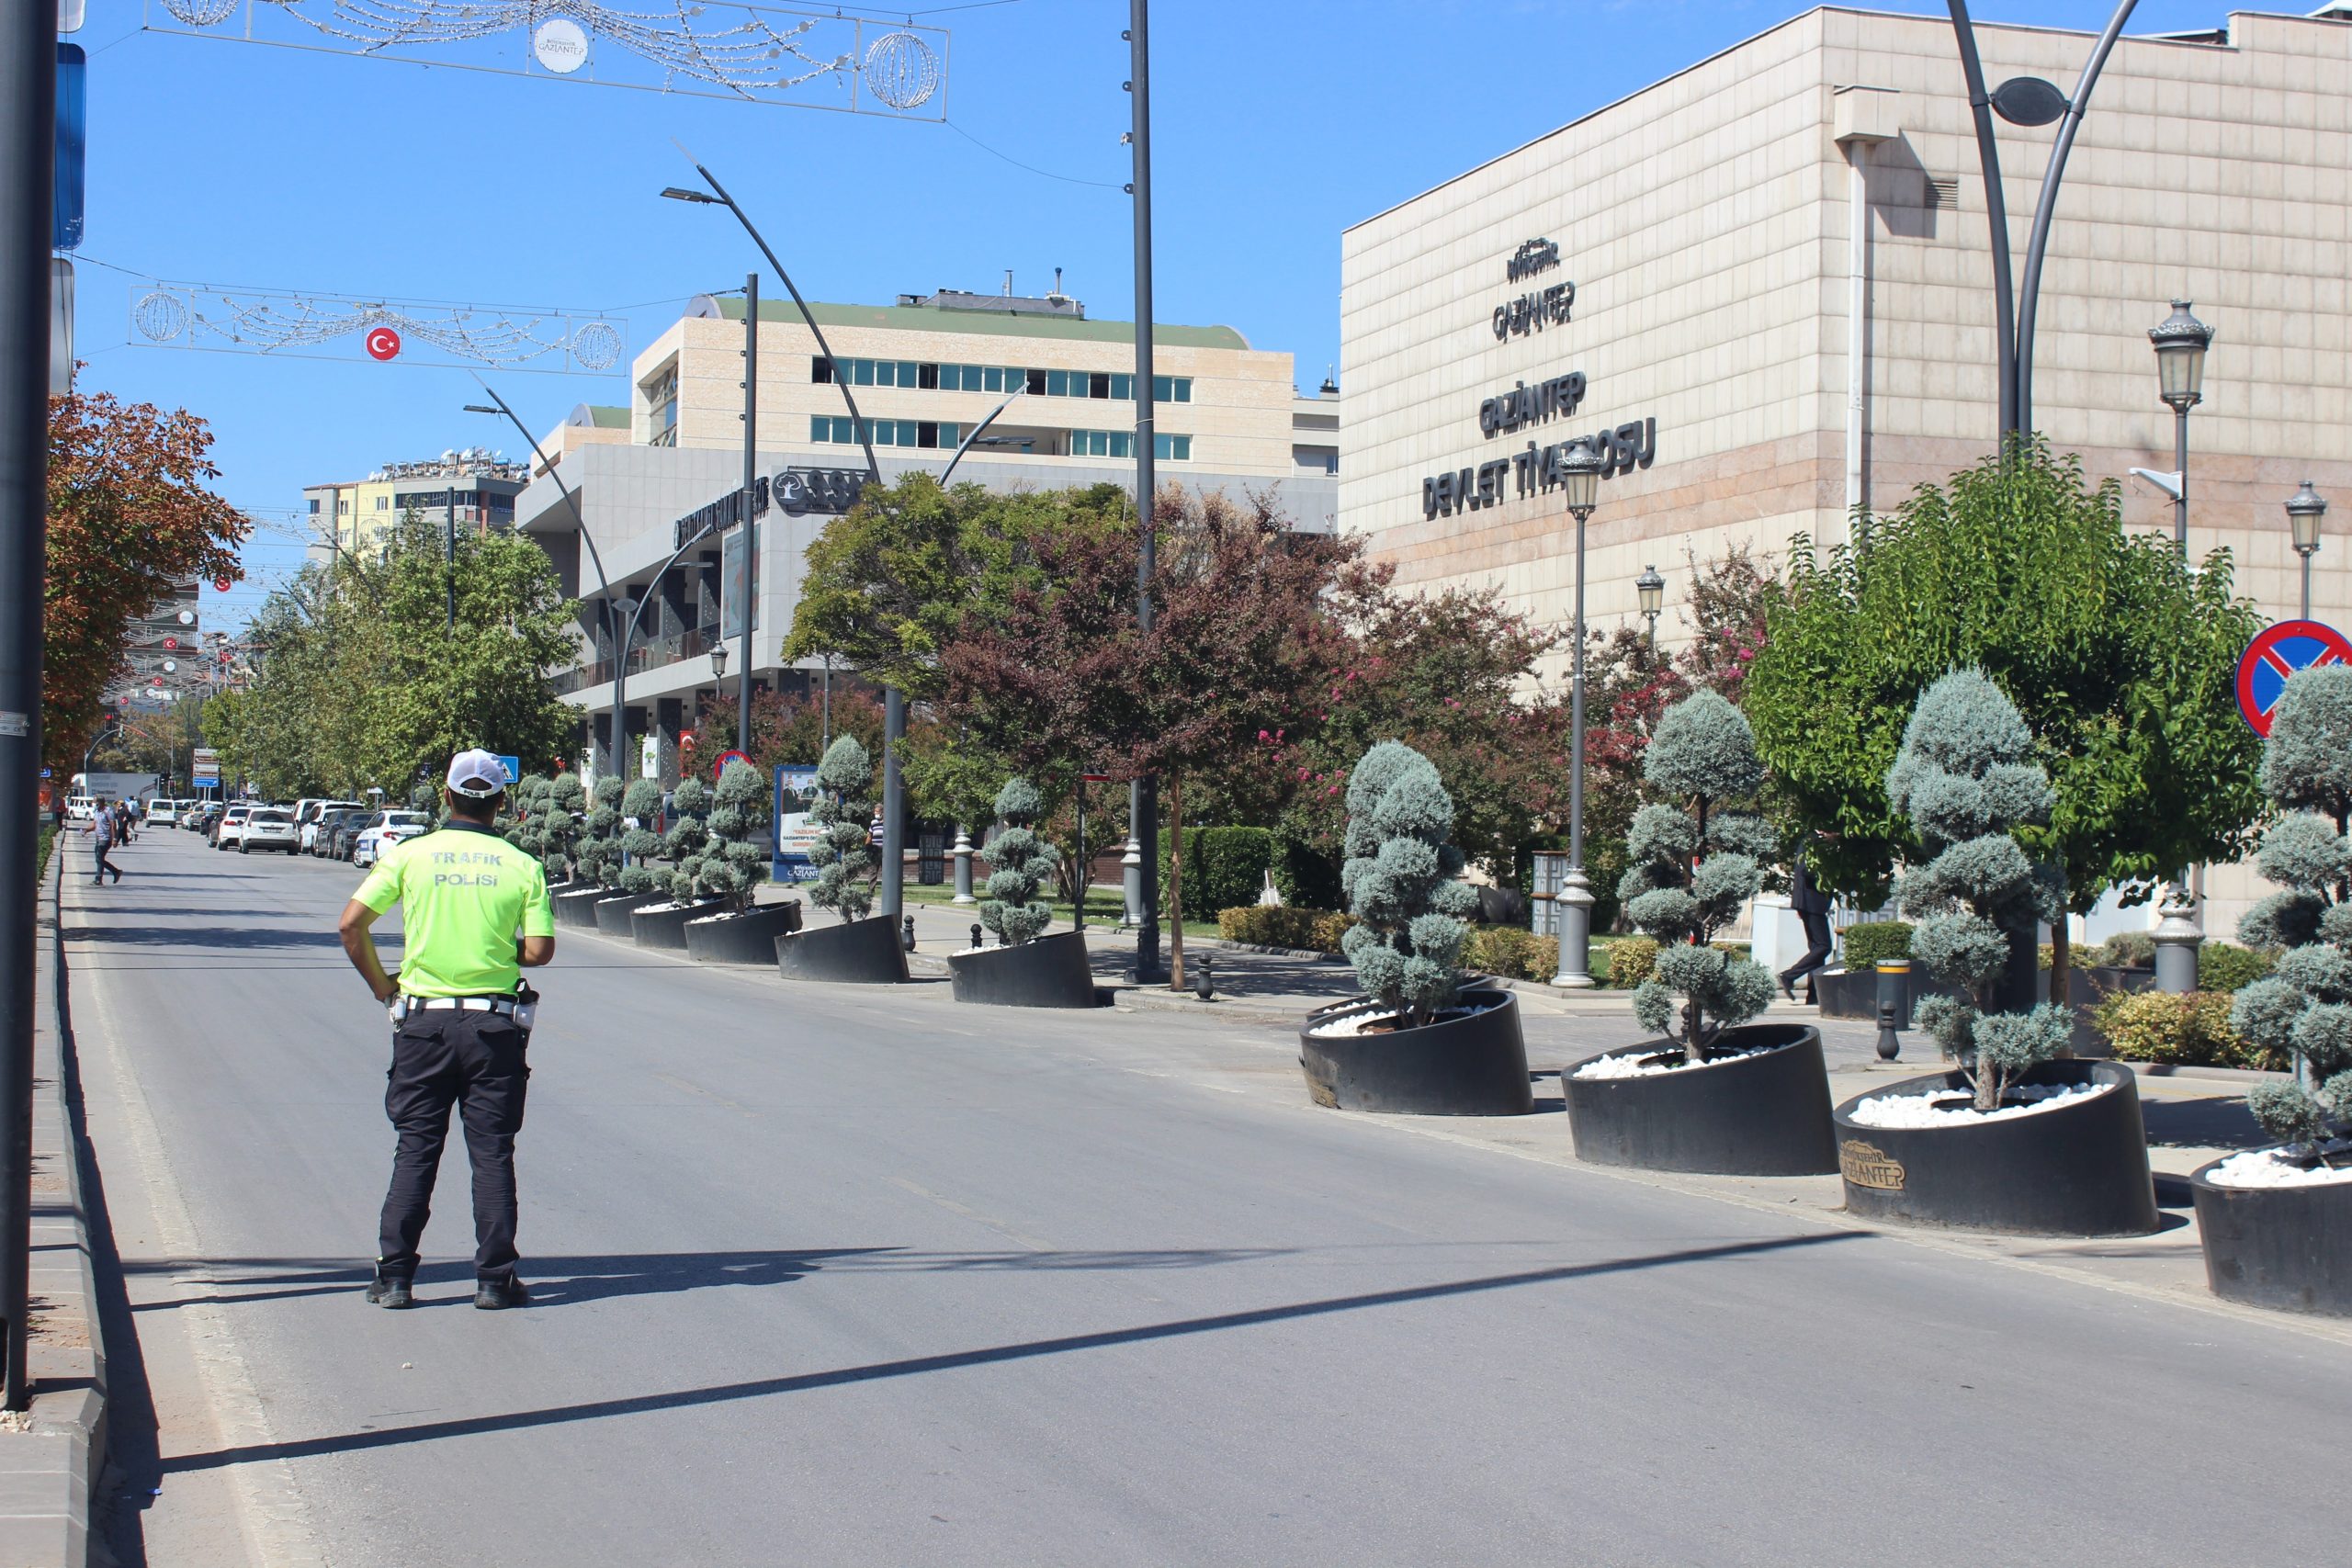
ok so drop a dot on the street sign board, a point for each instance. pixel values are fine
(719, 766)
(2278, 652)
(72, 136)
(514, 766)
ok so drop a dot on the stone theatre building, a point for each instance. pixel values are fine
(1676, 276)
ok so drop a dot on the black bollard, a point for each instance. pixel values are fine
(1204, 983)
(907, 933)
(976, 942)
(1894, 1005)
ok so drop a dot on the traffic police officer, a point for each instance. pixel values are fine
(460, 1020)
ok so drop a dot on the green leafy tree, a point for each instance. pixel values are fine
(363, 677)
(1402, 882)
(1966, 780)
(524, 803)
(2303, 1006)
(641, 804)
(2120, 655)
(1693, 866)
(843, 812)
(1022, 862)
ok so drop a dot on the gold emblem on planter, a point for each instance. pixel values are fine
(1866, 1165)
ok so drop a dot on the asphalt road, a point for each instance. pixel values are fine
(834, 1275)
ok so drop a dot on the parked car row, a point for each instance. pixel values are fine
(334, 830)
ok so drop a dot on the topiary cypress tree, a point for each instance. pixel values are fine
(843, 852)
(642, 800)
(523, 805)
(1963, 780)
(1022, 863)
(1400, 882)
(733, 860)
(558, 818)
(599, 850)
(1692, 870)
(2304, 1005)
(684, 844)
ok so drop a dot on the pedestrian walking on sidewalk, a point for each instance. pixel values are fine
(1812, 907)
(462, 1021)
(101, 831)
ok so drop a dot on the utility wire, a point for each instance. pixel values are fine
(1048, 174)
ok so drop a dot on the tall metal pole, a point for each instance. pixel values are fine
(448, 547)
(1996, 215)
(28, 129)
(1143, 800)
(2181, 468)
(1574, 906)
(751, 483)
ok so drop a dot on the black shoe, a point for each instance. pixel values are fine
(389, 1291)
(497, 1295)
(1788, 990)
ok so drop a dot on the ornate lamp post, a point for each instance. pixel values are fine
(2181, 341)
(1582, 488)
(2304, 509)
(1652, 588)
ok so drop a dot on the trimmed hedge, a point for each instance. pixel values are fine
(1316, 931)
(1511, 952)
(1867, 941)
(2225, 967)
(2125, 949)
(1631, 961)
(1224, 867)
(2191, 1031)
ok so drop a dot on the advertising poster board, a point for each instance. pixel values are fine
(795, 791)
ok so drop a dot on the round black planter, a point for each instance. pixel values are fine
(2289, 1247)
(1853, 993)
(1050, 972)
(855, 953)
(666, 929)
(576, 906)
(2078, 1170)
(1472, 1066)
(611, 917)
(747, 938)
(1765, 1115)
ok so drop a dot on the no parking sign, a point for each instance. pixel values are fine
(2279, 652)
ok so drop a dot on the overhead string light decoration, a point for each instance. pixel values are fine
(312, 326)
(717, 49)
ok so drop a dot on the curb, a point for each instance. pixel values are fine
(50, 1466)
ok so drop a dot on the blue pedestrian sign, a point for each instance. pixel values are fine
(514, 766)
(2276, 653)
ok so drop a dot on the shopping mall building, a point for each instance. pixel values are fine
(1677, 273)
(926, 373)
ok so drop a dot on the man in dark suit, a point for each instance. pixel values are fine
(1812, 907)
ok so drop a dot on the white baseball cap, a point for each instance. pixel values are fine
(476, 774)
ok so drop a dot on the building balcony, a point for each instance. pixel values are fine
(649, 653)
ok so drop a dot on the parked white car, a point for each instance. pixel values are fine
(389, 828)
(162, 813)
(268, 827)
(306, 821)
(232, 822)
(81, 807)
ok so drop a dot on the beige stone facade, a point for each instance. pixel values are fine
(1229, 410)
(1704, 223)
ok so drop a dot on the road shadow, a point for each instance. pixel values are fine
(2214, 1122)
(566, 1280)
(913, 1366)
(212, 936)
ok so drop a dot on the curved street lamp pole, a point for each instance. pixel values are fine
(620, 658)
(2014, 322)
(894, 702)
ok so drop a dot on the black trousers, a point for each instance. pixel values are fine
(98, 848)
(473, 1061)
(1816, 951)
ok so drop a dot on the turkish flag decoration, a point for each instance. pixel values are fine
(383, 344)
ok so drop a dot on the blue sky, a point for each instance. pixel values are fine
(1277, 124)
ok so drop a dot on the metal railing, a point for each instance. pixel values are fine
(652, 653)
